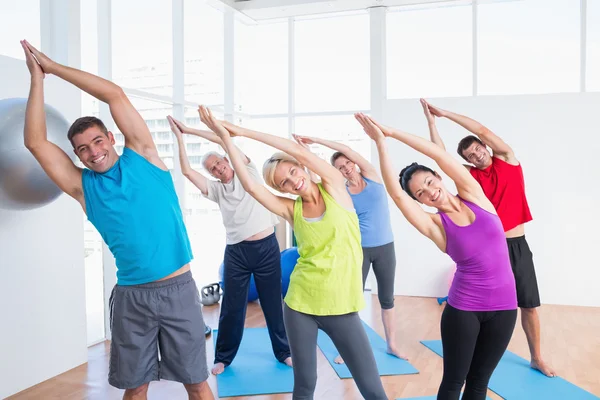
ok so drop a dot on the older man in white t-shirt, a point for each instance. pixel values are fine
(252, 248)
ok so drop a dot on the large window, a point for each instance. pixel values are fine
(261, 68)
(20, 20)
(142, 45)
(593, 45)
(332, 68)
(528, 46)
(203, 50)
(430, 51)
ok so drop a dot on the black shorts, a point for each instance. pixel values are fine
(521, 260)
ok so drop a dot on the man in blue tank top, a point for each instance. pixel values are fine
(131, 200)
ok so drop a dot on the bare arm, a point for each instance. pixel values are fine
(281, 206)
(333, 181)
(313, 177)
(128, 120)
(195, 177)
(208, 135)
(466, 185)
(211, 137)
(55, 162)
(411, 210)
(489, 138)
(434, 135)
(366, 168)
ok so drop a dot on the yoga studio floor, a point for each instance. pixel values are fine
(570, 341)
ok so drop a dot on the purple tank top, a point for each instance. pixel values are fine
(484, 280)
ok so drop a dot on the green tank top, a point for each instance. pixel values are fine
(327, 278)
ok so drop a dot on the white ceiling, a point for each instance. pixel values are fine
(272, 9)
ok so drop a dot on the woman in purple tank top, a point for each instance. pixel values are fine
(480, 316)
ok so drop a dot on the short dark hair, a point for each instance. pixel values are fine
(82, 124)
(465, 143)
(407, 173)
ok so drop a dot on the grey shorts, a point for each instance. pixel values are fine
(158, 319)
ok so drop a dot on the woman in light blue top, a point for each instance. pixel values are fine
(377, 240)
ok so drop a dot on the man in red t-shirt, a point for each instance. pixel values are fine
(501, 177)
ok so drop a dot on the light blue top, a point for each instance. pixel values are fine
(373, 214)
(135, 209)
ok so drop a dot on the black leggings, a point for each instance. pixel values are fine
(473, 343)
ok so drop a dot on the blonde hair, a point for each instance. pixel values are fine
(271, 164)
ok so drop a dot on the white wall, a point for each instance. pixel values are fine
(557, 139)
(42, 284)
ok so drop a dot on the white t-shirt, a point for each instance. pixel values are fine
(243, 216)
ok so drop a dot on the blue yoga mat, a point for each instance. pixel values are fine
(514, 379)
(255, 370)
(386, 363)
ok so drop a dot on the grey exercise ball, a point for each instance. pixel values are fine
(23, 183)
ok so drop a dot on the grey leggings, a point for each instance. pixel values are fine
(349, 336)
(383, 259)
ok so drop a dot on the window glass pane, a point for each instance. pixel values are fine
(261, 68)
(430, 51)
(528, 46)
(94, 283)
(332, 64)
(340, 128)
(593, 46)
(203, 50)
(89, 52)
(142, 45)
(202, 216)
(20, 20)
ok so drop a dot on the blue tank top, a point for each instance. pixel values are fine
(135, 209)
(371, 206)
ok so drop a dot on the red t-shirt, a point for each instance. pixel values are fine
(504, 186)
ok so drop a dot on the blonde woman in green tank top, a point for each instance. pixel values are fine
(325, 290)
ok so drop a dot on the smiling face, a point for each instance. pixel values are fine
(345, 166)
(95, 149)
(478, 155)
(428, 188)
(291, 178)
(219, 168)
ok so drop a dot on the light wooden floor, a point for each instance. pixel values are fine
(570, 341)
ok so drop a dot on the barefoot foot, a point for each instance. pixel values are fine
(543, 368)
(217, 368)
(338, 360)
(288, 362)
(393, 351)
